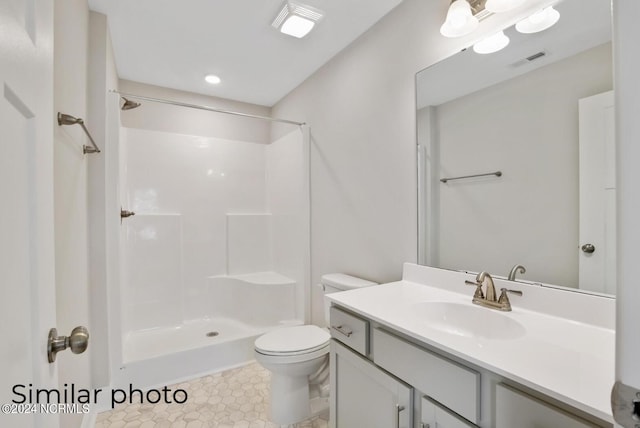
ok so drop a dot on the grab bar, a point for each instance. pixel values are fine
(66, 119)
(497, 174)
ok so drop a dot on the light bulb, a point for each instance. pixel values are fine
(457, 20)
(539, 21)
(538, 17)
(460, 20)
(491, 44)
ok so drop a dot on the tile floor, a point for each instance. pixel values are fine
(237, 398)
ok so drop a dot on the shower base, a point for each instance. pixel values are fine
(162, 356)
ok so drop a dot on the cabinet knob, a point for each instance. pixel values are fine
(588, 248)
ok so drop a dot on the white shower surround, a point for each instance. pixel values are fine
(219, 243)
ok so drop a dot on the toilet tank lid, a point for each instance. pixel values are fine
(344, 282)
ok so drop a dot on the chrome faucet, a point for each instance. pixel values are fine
(515, 270)
(488, 299)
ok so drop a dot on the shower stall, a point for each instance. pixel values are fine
(214, 245)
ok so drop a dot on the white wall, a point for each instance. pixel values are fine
(83, 68)
(361, 110)
(526, 127)
(102, 77)
(287, 201)
(71, 27)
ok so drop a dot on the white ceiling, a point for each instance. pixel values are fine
(175, 43)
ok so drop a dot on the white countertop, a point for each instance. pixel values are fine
(568, 360)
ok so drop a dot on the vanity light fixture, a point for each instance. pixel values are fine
(498, 6)
(539, 21)
(463, 17)
(296, 19)
(460, 20)
(212, 78)
(492, 43)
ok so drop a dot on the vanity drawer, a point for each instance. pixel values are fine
(350, 330)
(450, 384)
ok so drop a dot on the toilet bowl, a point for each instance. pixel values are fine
(292, 355)
(297, 355)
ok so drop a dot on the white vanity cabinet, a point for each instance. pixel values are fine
(381, 378)
(363, 395)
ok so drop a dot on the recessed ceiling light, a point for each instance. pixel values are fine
(212, 78)
(297, 26)
(296, 20)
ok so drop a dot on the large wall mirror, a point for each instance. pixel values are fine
(535, 122)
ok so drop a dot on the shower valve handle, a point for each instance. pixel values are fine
(126, 213)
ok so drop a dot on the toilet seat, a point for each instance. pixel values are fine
(295, 341)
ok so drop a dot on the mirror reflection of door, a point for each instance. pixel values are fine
(597, 264)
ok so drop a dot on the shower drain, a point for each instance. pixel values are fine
(212, 334)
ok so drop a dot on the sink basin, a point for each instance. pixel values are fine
(468, 320)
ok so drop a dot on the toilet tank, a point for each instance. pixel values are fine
(334, 282)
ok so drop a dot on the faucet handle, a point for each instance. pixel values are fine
(504, 292)
(504, 298)
(478, 294)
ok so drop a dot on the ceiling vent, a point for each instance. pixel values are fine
(529, 59)
(535, 56)
(296, 19)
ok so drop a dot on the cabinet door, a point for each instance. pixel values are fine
(516, 409)
(362, 395)
(435, 416)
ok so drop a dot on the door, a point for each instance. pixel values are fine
(365, 396)
(27, 305)
(597, 245)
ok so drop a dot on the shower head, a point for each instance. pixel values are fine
(128, 104)
(67, 119)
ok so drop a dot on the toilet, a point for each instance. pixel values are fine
(296, 356)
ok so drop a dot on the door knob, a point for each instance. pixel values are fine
(588, 248)
(78, 342)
